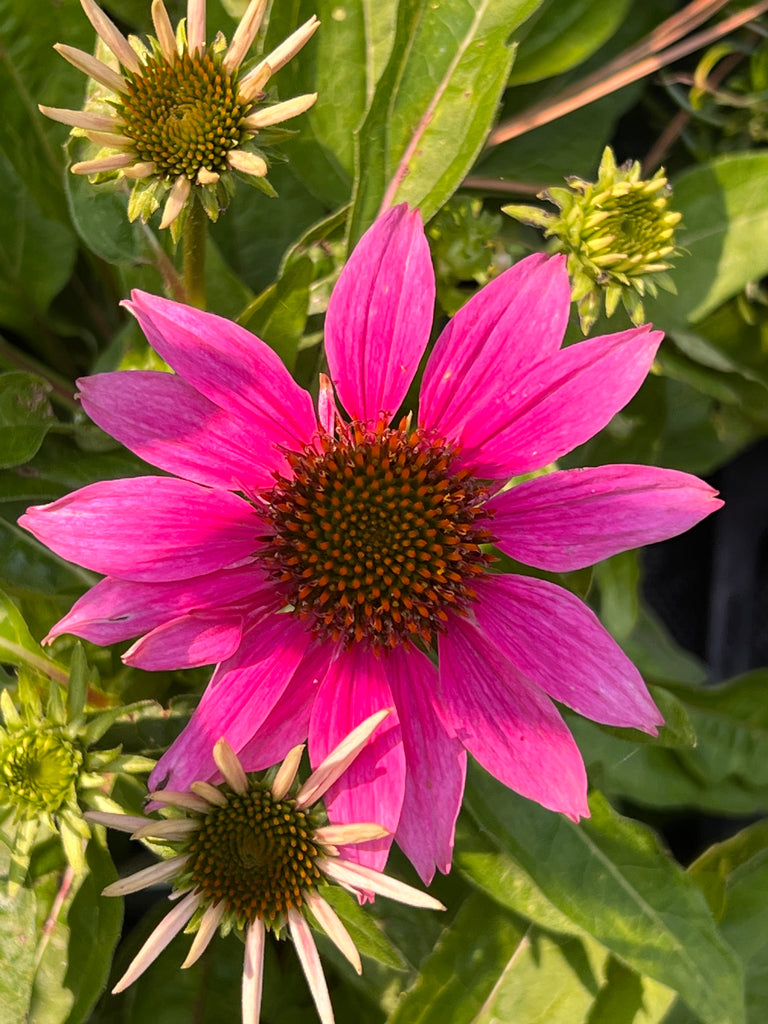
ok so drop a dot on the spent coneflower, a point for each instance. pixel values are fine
(179, 116)
(617, 232)
(254, 856)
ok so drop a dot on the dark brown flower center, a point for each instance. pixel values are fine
(183, 116)
(257, 854)
(376, 536)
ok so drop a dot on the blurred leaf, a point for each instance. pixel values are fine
(17, 645)
(618, 580)
(17, 955)
(255, 231)
(100, 216)
(420, 135)
(726, 772)
(72, 971)
(31, 72)
(342, 64)
(37, 255)
(25, 417)
(278, 316)
(725, 220)
(563, 35)
(490, 966)
(610, 876)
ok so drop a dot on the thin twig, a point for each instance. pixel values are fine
(579, 96)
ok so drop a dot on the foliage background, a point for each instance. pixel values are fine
(547, 921)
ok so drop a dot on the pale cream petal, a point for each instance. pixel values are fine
(229, 766)
(195, 25)
(79, 118)
(209, 793)
(181, 798)
(169, 927)
(252, 84)
(176, 201)
(253, 972)
(146, 877)
(109, 139)
(92, 67)
(336, 763)
(248, 163)
(244, 35)
(356, 832)
(164, 30)
(287, 772)
(363, 878)
(329, 921)
(208, 925)
(289, 47)
(279, 112)
(111, 35)
(121, 822)
(104, 163)
(206, 177)
(171, 828)
(310, 962)
(140, 170)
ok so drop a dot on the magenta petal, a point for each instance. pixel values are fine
(116, 610)
(380, 314)
(172, 426)
(243, 691)
(147, 528)
(485, 351)
(436, 766)
(373, 786)
(232, 368)
(577, 517)
(508, 724)
(556, 642)
(558, 404)
(287, 724)
(202, 638)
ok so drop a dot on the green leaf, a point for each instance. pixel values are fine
(18, 646)
(725, 220)
(342, 64)
(31, 72)
(37, 254)
(421, 135)
(278, 316)
(628, 998)
(610, 876)
(17, 955)
(25, 417)
(490, 965)
(366, 934)
(563, 35)
(75, 954)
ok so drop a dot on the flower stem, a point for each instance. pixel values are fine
(193, 253)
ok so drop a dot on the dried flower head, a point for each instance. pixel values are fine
(617, 232)
(178, 116)
(253, 855)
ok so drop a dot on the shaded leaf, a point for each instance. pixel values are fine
(25, 417)
(610, 876)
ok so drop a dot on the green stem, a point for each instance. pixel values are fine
(193, 258)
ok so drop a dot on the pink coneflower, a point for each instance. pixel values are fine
(253, 856)
(335, 563)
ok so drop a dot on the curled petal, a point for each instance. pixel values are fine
(306, 951)
(168, 928)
